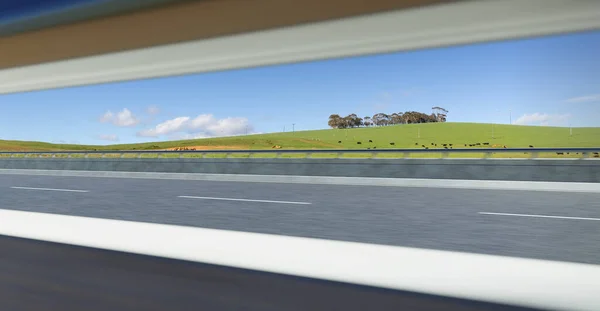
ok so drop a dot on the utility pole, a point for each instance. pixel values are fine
(570, 130)
(293, 127)
(510, 116)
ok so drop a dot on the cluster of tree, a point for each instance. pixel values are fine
(438, 114)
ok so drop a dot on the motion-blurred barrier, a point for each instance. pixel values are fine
(534, 169)
(425, 152)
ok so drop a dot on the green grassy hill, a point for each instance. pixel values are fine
(404, 136)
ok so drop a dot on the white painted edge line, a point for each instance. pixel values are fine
(539, 216)
(242, 200)
(515, 281)
(49, 189)
(327, 180)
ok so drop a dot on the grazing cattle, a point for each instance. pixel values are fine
(530, 146)
(444, 145)
(559, 153)
(504, 147)
(369, 148)
(392, 143)
(432, 144)
(465, 145)
(358, 143)
(339, 141)
(426, 147)
(450, 145)
(370, 141)
(487, 144)
(374, 147)
(477, 144)
(423, 146)
(416, 144)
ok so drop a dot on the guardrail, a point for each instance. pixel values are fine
(308, 153)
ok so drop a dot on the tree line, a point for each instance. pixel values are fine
(352, 120)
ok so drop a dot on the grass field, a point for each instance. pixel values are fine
(403, 136)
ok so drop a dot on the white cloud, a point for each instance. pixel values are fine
(584, 99)
(184, 136)
(109, 137)
(166, 128)
(204, 125)
(124, 118)
(543, 119)
(152, 110)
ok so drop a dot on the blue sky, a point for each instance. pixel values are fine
(543, 81)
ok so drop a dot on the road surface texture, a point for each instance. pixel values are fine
(563, 226)
(38, 275)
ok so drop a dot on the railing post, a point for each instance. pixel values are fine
(534, 155)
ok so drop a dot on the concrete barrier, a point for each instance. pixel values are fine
(487, 169)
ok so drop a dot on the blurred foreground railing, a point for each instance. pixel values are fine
(531, 153)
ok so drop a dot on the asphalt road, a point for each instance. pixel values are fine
(560, 226)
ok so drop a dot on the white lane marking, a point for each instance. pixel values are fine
(49, 189)
(539, 216)
(539, 284)
(242, 200)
